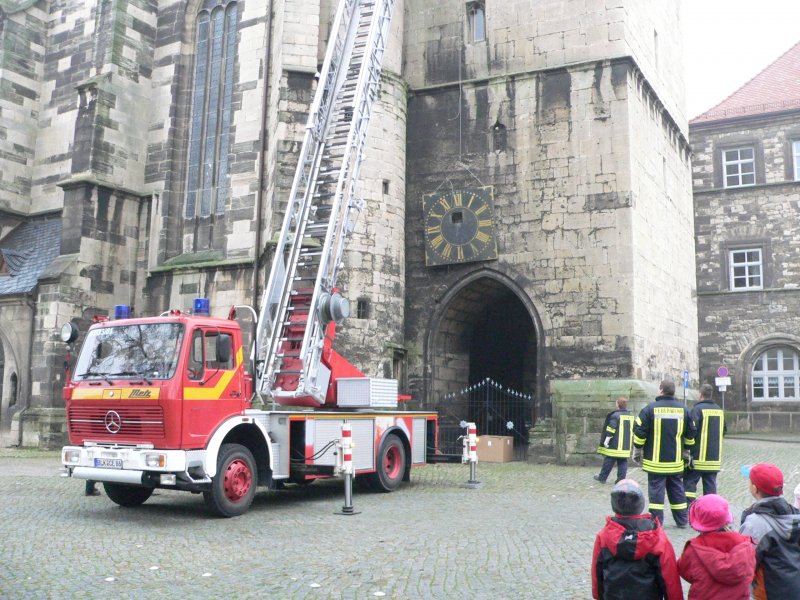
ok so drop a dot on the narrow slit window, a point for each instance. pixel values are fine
(499, 137)
(476, 13)
(362, 308)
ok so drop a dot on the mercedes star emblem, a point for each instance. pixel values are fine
(113, 421)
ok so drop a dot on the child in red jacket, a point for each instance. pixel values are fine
(633, 559)
(718, 563)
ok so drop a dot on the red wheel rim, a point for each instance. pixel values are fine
(237, 480)
(392, 462)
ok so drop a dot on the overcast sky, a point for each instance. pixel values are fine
(727, 42)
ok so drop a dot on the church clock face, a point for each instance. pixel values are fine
(459, 226)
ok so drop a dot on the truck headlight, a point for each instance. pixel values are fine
(155, 460)
(72, 456)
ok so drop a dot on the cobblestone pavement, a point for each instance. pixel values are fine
(526, 533)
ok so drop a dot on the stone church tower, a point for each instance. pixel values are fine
(150, 146)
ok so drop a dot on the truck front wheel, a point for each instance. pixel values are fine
(234, 485)
(390, 465)
(127, 495)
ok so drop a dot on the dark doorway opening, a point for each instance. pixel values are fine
(485, 365)
(499, 343)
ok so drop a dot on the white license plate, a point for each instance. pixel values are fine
(108, 463)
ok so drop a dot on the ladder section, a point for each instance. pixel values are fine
(300, 297)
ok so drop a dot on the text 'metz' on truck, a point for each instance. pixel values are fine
(166, 402)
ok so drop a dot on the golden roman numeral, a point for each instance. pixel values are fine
(485, 223)
(481, 210)
(482, 237)
(457, 199)
(437, 241)
(447, 251)
(434, 229)
(444, 204)
(471, 200)
(474, 248)
(459, 253)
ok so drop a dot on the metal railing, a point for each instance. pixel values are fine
(494, 408)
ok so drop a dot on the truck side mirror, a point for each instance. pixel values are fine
(223, 349)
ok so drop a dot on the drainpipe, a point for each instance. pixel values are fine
(262, 178)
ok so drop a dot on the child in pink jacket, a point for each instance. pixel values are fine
(718, 563)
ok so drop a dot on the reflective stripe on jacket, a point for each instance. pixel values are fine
(709, 422)
(619, 427)
(662, 429)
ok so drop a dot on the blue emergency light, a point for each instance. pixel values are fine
(122, 311)
(202, 307)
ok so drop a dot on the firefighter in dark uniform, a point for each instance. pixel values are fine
(709, 425)
(615, 441)
(661, 430)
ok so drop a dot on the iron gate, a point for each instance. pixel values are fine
(496, 410)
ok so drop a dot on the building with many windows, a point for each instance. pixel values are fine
(746, 179)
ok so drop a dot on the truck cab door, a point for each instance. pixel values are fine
(212, 389)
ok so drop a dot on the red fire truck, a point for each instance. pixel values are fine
(166, 402)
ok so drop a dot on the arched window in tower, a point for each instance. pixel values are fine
(207, 184)
(775, 375)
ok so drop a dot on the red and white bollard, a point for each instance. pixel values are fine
(470, 455)
(346, 468)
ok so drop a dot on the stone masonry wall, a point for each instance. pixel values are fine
(735, 327)
(22, 46)
(69, 61)
(664, 306)
(531, 35)
(564, 197)
(560, 203)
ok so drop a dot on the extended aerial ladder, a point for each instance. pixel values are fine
(301, 305)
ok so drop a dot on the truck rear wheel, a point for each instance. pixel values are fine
(234, 485)
(390, 465)
(127, 495)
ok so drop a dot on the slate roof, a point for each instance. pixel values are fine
(27, 251)
(775, 89)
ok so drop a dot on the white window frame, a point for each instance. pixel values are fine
(745, 168)
(761, 375)
(796, 159)
(740, 258)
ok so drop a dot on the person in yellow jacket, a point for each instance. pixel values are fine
(616, 441)
(709, 424)
(663, 430)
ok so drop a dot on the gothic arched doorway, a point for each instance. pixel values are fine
(487, 329)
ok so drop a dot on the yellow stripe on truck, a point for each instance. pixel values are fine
(136, 393)
(215, 393)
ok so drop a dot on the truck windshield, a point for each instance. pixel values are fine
(148, 351)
